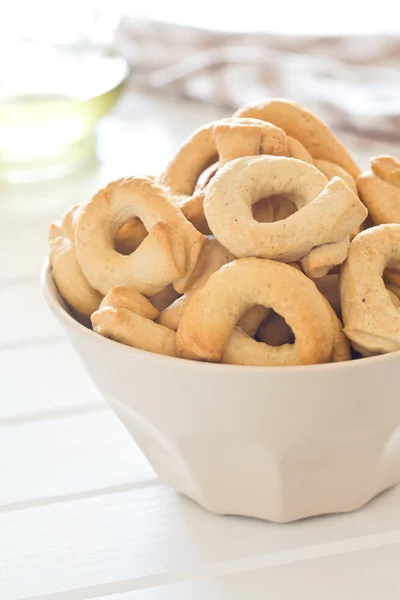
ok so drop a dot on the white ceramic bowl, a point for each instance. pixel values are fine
(269, 442)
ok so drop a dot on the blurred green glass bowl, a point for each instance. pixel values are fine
(51, 100)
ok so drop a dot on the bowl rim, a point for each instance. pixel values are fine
(53, 300)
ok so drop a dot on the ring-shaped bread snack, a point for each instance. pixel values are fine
(322, 259)
(171, 252)
(128, 317)
(67, 274)
(219, 141)
(331, 170)
(206, 331)
(216, 256)
(379, 189)
(327, 212)
(371, 321)
(305, 127)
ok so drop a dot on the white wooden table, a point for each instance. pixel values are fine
(82, 513)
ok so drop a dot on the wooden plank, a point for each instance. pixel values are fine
(25, 316)
(47, 460)
(150, 537)
(367, 574)
(38, 381)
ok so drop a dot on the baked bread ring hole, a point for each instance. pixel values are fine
(275, 331)
(274, 208)
(129, 236)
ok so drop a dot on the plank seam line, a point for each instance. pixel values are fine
(239, 565)
(71, 497)
(40, 341)
(8, 282)
(55, 413)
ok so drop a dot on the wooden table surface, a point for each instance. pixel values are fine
(82, 513)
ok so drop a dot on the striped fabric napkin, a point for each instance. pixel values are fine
(352, 82)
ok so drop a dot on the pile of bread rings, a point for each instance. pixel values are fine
(262, 243)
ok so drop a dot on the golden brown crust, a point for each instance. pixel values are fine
(372, 322)
(235, 138)
(128, 297)
(224, 141)
(305, 127)
(387, 168)
(208, 323)
(126, 316)
(169, 253)
(66, 271)
(380, 197)
(238, 185)
(379, 189)
(280, 188)
(321, 260)
(127, 327)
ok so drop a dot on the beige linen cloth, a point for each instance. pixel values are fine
(352, 82)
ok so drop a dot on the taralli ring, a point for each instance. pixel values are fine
(219, 141)
(127, 317)
(67, 273)
(246, 250)
(328, 212)
(305, 127)
(209, 321)
(216, 256)
(379, 189)
(371, 320)
(169, 253)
